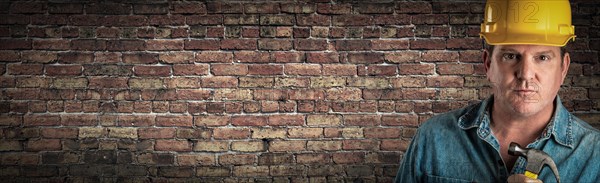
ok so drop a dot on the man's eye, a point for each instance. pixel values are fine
(544, 57)
(509, 56)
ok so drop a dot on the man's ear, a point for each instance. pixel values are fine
(486, 60)
(566, 62)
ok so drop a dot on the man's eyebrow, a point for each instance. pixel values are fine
(548, 52)
(507, 50)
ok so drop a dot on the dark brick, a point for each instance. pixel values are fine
(100, 157)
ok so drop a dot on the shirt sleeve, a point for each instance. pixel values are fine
(409, 170)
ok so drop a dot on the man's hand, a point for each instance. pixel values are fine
(519, 178)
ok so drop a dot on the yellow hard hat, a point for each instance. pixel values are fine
(539, 22)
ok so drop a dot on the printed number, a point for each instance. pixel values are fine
(528, 11)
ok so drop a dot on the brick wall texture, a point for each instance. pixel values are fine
(242, 91)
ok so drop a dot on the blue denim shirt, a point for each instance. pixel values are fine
(459, 146)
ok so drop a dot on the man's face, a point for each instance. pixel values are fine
(525, 78)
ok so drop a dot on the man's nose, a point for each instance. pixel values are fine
(526, 69)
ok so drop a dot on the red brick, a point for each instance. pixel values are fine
(365, 58)
(262, 8)
(152, 70)
(395, 145)
(39, 56)
(51, 44)
(419, 69)
(390, 44)
(190, 69)
(162, 20)
(188, 8)
(177, 57)
(286, 120)
(211, 120)
(59, 133)
(193, 94)
(237, 159)
(174, 121)
(252, 57)
(382, 70)
(305, 94)
(41, 120)
(362, 120)
(430, 19)
(162, 45)
(348, 157)
(400, 120)
(416, 94)
(107, 57)
(383, 133)
(79, 120)
(136, 120)
(28, 7)
(231, 133)
(123, 20)
(288, 57)
(43, 145)
(353, 45)
(249, 120)
(125, 45)
(204, 19)
(148, 9)
(173, 145)
(156, 133)
(239, 44)
(207, 44)
(464, 43)
(262, 69)
(339, 70)
(440, 56)
(9, 56)
(11, 120)
(75, 58)
(64, 70)
(313, 20)
(208, 57)
(352, 20)
(88, 44)
(107, 82)
(60, 8)
(274, 44)
(219, 82)
(25, 69)
(323, 57)
(462, 69)
(428, 44)
(310, 44)
(400, 19)
(359, 145)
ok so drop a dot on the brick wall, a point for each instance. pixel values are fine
(224, 91)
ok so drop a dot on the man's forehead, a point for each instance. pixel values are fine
(527, 48)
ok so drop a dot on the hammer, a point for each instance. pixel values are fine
(536, 159)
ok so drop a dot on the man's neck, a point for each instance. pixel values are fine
(523, 129)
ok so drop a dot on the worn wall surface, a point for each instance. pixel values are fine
(242, 91)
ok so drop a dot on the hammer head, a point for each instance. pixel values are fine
(536, 159)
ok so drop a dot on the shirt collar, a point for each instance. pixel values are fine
(559, 127)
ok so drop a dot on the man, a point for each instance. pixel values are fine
(526, 66)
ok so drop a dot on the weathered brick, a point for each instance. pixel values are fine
(59, 133)
(248, 146)
(323, 120)
(287, 145)
(268, 133)
(249, 120)
(211, 146)
(215, 171)
(324, 145)
(231, 133)
(10, 145)
(119, 132)
(250, 171)
(196, 159)
(173, 145)
(366, 58)
(146, 83)
(43, 145)
(64, 70)
(174, 121)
